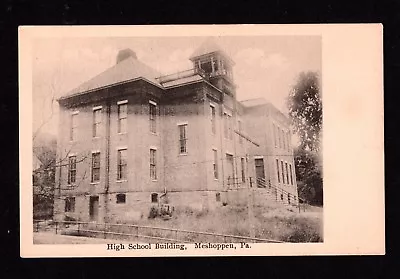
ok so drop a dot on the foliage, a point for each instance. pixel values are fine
(309, 176)
(44, 177)
(305, 111)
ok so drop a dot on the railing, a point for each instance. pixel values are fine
(262, 182)
(138, 232)
(182, 74)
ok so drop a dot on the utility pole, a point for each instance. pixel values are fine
(250, 201)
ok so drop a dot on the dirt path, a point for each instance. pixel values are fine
(52, 238)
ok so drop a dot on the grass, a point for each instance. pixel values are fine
(277, 222)
(273, 221)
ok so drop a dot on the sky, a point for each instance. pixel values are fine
(265, 66)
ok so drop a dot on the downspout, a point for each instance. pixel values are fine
(107, 180)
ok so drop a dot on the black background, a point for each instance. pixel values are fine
(15, 13)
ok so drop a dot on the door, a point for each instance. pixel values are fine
(230, 173)
(260, 173)
(94, 208)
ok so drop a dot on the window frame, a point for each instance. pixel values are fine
(283, 172)
(74, 126)
(215, 164)
(118, 198)
(122, 118)
(182, 129)
(278, 171)
(122, 167)
(243, 172)
(153, 164)
(96, 125)
(213, 118)
(291, 174)
(153, 113)
(95, 168)
(69, 205)
(71, 170)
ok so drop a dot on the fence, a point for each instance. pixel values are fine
(108, 230)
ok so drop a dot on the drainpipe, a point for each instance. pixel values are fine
(107, 177)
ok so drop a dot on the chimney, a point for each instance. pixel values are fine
(124, 54)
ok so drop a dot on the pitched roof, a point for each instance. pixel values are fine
(208, 46)
(128, 69)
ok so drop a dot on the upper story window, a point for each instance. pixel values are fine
(74, 126)
(122, 116)
(95, 166)
(71, 169)
(275, 134)
(228, 131)
(153, 116)
(242, 162)
(182, 138)
(122, 164)
(96, 121)
(212, 111)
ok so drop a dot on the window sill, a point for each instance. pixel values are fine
(183, 154)
(120, 181)
(123, 133)
(95, 183)
(154, 180)
(96, 138)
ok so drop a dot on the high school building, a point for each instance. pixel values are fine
(131, 136)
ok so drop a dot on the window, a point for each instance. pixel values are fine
(96, 121)
(74, 126)
(274, 132)
(279, 136)
(69, 204)
(121, 198)
(225, 125)
(153, 162)
(212, 110)
(243, 170)
(288, 198)
(287, 173)
(283, 173)
(153, 116)
(230, 127)
(154, 197)
(122, 117)
(182, 138)
(291, 175)
(71, 169)
(240, 131)
(215, 163)
(95, 166)
(282, 197)
(277, 170)
(288, 140)
(122, 164)
(218, 197)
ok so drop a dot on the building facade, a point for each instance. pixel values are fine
(130, 136)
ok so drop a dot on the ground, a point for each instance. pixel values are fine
(272, 221)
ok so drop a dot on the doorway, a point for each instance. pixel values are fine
(260, 173)
(94, 208)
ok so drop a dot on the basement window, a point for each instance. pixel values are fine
(218, 197)
(154, 197)
(121, 198)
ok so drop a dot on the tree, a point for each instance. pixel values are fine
(305, 111)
